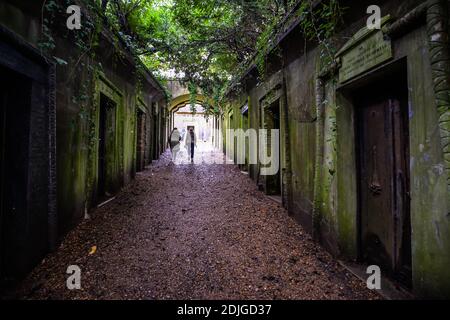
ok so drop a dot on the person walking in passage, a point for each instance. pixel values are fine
(191, 143)
(174, 143)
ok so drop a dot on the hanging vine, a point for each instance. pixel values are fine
(319, 23)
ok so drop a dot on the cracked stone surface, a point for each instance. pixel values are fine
(192, 231)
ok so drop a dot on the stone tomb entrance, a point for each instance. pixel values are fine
(382, 162)
(109, 153)
(15, 90)
(245, 125)
(379, 104)
(27, 178)
(272, 122)
(106, 148)
(272, 108)
(154, 132)
(141, 134)
(374, 91)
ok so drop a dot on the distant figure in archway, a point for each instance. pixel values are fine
(191, 143)
(174, 142)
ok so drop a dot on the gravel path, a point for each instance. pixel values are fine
(192, 232)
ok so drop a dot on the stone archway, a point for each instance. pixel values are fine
(181, 98)
(180, 102)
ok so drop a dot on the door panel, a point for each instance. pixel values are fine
(376, 184)
(111, 163)
(402, 218)
(272, 122)
(107, 169)
(102, 150)
(154, 136)
(22, 234)
(140, 141)
(245, 127)
(385, 232)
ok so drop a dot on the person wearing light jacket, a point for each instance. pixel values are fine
(174, 142)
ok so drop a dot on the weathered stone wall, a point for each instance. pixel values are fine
(81, 76)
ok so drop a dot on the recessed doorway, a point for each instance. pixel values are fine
(272, 122)
(106, 149)
(383, 175)
(15, 222)
(141, 140)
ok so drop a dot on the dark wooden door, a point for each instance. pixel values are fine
(21, 234)
(272, 122)
(102, 149)
(107, 166)
(141, 140)
(385, 235)
(154, 136)
(245, 127)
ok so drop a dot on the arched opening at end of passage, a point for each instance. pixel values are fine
(183, 100)
(184, 119)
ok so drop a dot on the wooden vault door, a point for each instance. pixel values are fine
(107, 148)
(141, 139)
(385, 234)
(272, 122)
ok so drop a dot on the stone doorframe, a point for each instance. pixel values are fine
(106, 87)
(141, 106)
(278, 93)
(42, 72)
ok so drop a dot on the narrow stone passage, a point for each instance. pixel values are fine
(192, 231)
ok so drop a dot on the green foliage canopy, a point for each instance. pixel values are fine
(200, 42)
